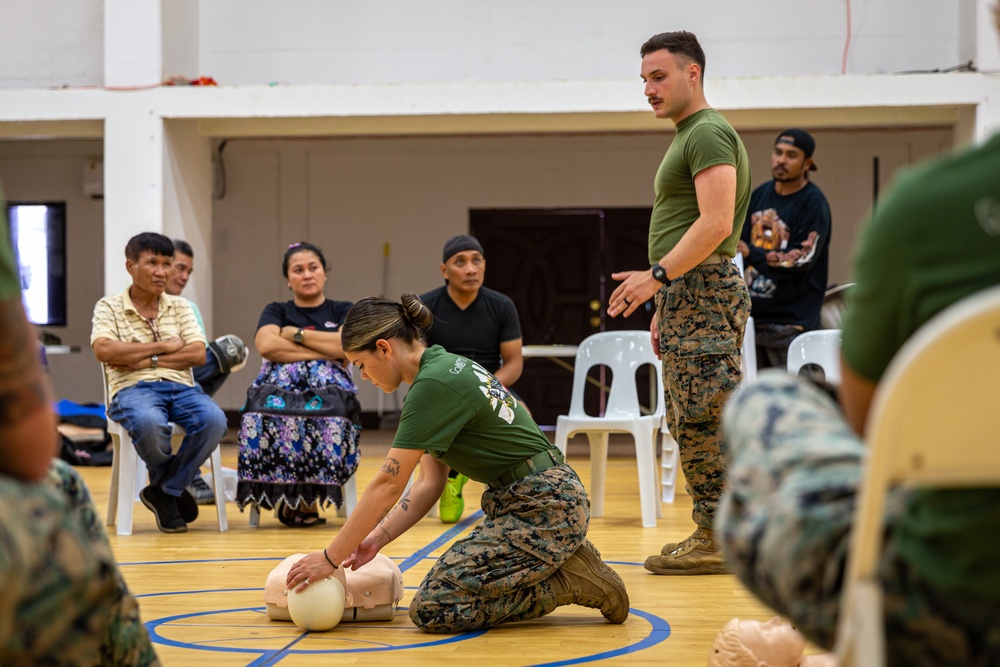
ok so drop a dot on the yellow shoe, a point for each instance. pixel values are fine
(451, 505)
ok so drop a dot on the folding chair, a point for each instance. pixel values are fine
(931, 424)
(624, 352)
(129, 474)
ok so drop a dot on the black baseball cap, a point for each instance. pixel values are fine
(801, 140)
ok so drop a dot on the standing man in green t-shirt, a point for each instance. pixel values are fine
(702, 192)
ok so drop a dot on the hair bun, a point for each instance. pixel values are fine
(415, 311)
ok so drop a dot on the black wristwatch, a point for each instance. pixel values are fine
(299, 337)
(660, 274)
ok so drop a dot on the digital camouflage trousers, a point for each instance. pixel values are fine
(64, 601)
(701, 318)
(498, 573)
(784, 525)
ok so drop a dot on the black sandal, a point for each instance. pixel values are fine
(308, 519)
(296, 518)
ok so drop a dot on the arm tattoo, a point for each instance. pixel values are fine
(390, 467)
(384, 514)
(385, 532)
(405, 502)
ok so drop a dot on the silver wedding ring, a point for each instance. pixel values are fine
(307, 581)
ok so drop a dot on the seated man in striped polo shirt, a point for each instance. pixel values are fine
(149, 342)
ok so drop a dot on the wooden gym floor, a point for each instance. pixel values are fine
(201, 592)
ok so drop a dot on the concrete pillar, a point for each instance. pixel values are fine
(987, 60)
(133, 184)
(187, 204)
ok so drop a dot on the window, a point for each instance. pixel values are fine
(38, 234)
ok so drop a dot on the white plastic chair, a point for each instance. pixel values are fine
(822, 348)
(624, 352)
(748, 362)
(669, 462)
(932, 423)
(129, 474)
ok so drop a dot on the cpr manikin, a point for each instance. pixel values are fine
(373, 590)
(774, 643)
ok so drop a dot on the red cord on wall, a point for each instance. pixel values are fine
(847, 42)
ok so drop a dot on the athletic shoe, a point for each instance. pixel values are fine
(187, 506)
(698, 554)
(586, 580)
(164, 508)
(202, 492)
(451, 505)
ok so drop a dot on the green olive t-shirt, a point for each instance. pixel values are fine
(462, 415)
(704, 139)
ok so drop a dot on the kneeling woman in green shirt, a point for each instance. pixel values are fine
(530, 554)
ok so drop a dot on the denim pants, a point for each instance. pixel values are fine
(146, 409)
(209, 376)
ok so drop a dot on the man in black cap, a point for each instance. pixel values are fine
(474, 322)
(785, 246)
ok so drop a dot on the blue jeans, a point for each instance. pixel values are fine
(145, 410)
(209, 376)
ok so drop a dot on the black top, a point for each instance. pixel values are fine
(477, 331)
(789, 239)
(328, 316)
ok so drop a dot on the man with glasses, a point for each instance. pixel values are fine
(149, 341)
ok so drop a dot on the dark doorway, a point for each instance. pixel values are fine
(556, 265)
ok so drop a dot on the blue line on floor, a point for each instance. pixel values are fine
(444, 538)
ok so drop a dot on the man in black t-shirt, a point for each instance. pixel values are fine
(785, 245)
(471, 320)
(475, 322)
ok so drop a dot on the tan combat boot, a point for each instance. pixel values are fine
(585, 580)
(698, 554)
(671, 546)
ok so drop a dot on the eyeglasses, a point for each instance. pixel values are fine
(154, 327)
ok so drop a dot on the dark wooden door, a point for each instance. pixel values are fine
(556, 265)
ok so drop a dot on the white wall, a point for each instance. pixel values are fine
(51, 43)
(386, 41)
(45, 43)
